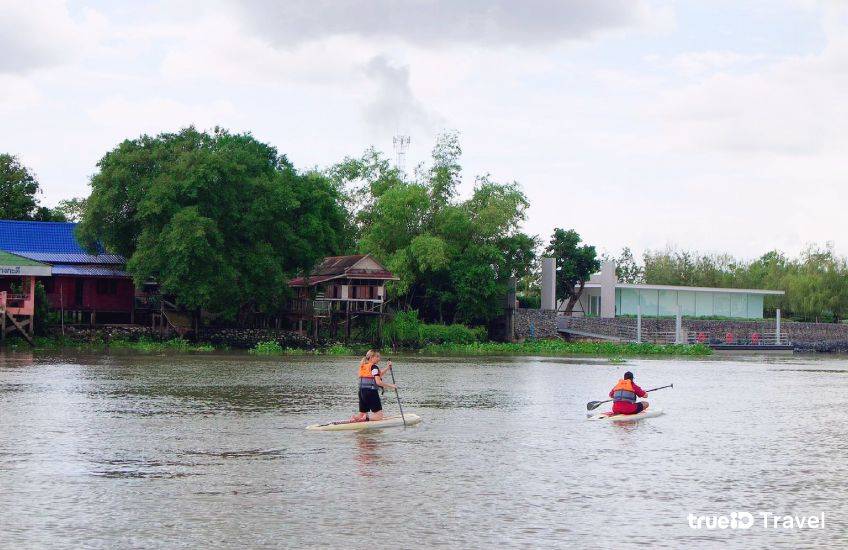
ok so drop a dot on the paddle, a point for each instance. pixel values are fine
(592, 405)
(397, 393)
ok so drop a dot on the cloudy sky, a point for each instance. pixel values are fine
(713, 125)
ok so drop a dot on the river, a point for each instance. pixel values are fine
(192, 451)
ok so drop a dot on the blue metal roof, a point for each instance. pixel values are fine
(73, 258)
(52, 242)
(88, 271)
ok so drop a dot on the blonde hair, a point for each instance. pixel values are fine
(369, 356)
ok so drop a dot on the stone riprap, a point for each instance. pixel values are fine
(828, 337)
(543, 323)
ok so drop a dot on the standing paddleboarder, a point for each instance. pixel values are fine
(370, 381)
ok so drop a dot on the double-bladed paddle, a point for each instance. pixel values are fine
(592, 405)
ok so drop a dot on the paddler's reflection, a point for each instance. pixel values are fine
(369, 460)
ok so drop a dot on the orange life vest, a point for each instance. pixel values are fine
(623, 391)
(366, 379)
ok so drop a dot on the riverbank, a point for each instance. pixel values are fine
(273, 348)
(563, 347)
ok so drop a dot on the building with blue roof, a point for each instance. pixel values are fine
(81, 282)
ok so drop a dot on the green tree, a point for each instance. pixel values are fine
(18, 193)
(626, 268)
(575, 263)
(71, 209)
(454, 258)
(220, 220)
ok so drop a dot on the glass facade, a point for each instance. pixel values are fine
(664, 303)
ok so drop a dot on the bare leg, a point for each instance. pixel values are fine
(359, 417)
(645, 405)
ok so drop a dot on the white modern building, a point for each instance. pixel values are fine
(605, 296)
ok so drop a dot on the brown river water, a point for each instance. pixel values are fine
(202, 451)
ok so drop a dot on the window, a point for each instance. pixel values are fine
(107, 286)
(594, 306)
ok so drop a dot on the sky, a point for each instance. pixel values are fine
(717, 126)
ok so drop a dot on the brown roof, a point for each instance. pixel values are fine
(334, 267)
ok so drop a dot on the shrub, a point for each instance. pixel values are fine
(269, 347)
(403, 330)
(407, 330)
(339, 349)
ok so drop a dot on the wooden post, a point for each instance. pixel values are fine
(380, 325)
(3, 330)
(347, 323)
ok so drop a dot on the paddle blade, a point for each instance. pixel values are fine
(592, 405)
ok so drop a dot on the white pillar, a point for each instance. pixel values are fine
(777, 327)
(548, 283)
(639, 322)
(608, 280)
(678, 326)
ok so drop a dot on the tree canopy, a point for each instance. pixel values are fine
(454, 257)
(575, 263)
(220, 220)
(19, 191)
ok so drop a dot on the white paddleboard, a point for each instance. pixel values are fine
(386, 422)
(650, 413)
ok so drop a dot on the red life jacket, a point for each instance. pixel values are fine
(623, 391)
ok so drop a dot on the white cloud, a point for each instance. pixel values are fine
(394, 106)
(442, 22)
(17, 94)
(38, 34)
(131, 118)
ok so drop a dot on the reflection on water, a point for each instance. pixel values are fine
(210, 451)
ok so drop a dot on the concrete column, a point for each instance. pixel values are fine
(678, 326)
(548, 284)
(639, 322)
(608, 280)
(777, 327)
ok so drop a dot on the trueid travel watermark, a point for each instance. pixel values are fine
(747, 520)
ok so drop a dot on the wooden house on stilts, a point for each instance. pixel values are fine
(339, 291)
(17, 294)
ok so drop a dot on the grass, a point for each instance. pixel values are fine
(615, 351)
(272, 347)
(143, 345)
(152, 346)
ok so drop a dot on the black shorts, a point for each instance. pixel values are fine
(369, 400)
(639, 407)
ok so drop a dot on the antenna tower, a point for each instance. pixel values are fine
(401, 144)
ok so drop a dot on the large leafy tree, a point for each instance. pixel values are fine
(19, 191)
(575, 263)
(220, 220)
(454, 257)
